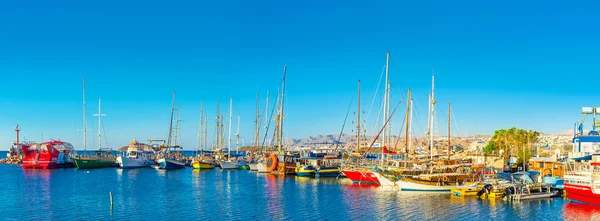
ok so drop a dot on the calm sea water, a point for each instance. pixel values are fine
(143, 194)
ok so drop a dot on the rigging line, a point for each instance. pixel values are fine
(377, 121)
(342, 131)
(275, 104)
(415, 112)
(400, 133)
(455, 123)
(376, 91)
(388, 120)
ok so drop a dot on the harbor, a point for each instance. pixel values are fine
(289, 110)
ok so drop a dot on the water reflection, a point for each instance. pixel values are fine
(577, 211)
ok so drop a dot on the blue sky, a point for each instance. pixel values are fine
(501, 64)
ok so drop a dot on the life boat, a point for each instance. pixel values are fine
(272, 163)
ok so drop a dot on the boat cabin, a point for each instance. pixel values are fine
(547, 166)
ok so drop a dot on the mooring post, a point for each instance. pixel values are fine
(111, 199)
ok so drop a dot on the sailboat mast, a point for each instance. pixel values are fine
(407, 128)
(432, 115)
(237, 136)
(171, 124)
(205, 134)
(229, 127)
(84, 124)
(200, 128)
(257, 123)
(449, 144)
(177, 123)
(282, 101)
(99, 115)
(358, 128)
(218, 127)
(410, 119)
(385, 100)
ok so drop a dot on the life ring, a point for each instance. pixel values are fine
(272, 162)
(445, 178)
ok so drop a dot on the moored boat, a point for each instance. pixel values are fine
(228, 165)
(306, 171)
(136, 155)
(361, 176)
(99, 160)
(48, 155)
(328, 171)
(169, 164)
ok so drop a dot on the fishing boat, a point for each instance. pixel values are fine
(47, 155)
(136, 155)
(253, 166)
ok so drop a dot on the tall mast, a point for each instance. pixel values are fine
(358, 128)
(257, 123)
(200, 129)
(449, 144)
(205, 132)
(177, 123)
(280, 137)
(218, 127)
(237, 136)
(407, 128)
(229, 127)
(410, 128)
(385, 100)
(432, 115)
(84, 123)
(171, 124)
(99, 115)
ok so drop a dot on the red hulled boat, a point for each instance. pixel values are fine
(361, 177)
(581, 183)
(48, 155)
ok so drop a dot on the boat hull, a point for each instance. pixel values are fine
(202, 165)
(94, 163)
(227, 165)
(582, 194)
(261, 168)
(305, 172)
(361, 177)
(45, 165)
(328, 172)
(169, 164)
(126, 163)
(252, 167)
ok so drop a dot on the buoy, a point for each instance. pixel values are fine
(272, 162)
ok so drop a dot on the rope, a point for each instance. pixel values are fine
(345, 119)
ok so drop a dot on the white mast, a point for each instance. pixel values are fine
(432, 101)
(84, 123)
(237, 136)
(99, 115)
(385, 104)
(410, 117)
(200, 128)
(229, 127)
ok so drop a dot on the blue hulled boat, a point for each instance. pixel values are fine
(169, 164)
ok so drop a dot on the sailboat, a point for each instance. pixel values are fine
(361, 174)
(169, 160)
(229, 163)
(101, 157)
(201, 161)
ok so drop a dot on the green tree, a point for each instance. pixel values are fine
(491, 147)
